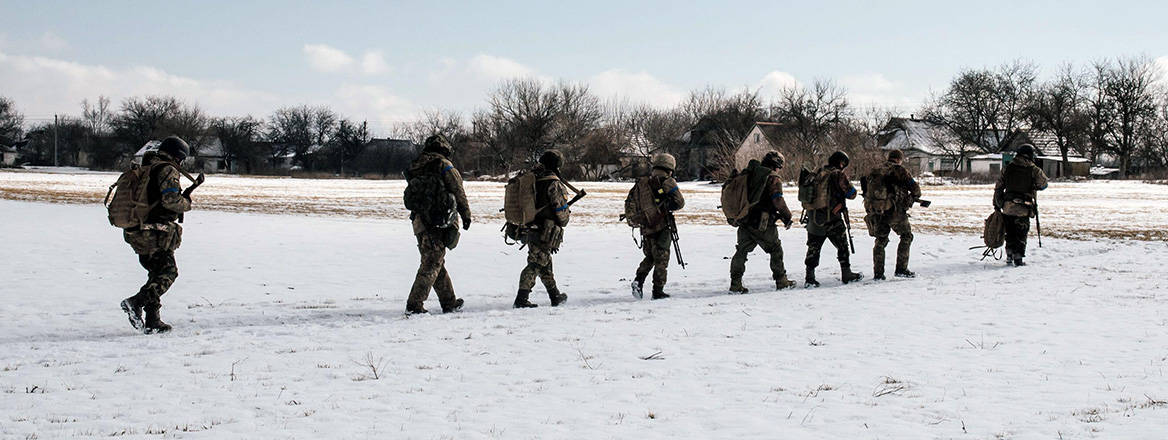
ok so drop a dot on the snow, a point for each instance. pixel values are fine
(275, 314)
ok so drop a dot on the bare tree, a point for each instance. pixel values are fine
(983, 106)
(348, 142)
(812, 113)
(299, 130)
(527, 117)
(239, 136)
(98, 115)
(1060, 106)
(11, 121)
(1129, 109)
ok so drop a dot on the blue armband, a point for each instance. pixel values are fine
(561, 208)
(168, 190)
(448, 168)
(776, 196)
(851, 192)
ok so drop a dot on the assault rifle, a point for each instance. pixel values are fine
(579, 192)
(1037, 221)
(924, 203)
(195, 182)
(848, 221)
(672, 222)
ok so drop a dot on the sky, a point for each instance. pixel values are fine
(386, 61)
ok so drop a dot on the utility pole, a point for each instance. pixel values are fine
(55, 123)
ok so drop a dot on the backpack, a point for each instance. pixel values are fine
(519, 199)
(994, 234)
(642, 207)
(877, 197)
(736, 197)
(130, 205)
(813, 192)
(427, 198)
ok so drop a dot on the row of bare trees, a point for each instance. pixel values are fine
(1111, 109)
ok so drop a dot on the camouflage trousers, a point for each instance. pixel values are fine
(539, 265)
(748, 239)
(837, 234)
(656, 247)
(161, 272)
(1017, 229)
(879, 226)
(432, 271)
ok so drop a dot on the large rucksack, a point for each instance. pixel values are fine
(813, 192)
(994, 234)
(130, 204)
(642, 207)
(877, 197)
(736, 197)
(427, 198)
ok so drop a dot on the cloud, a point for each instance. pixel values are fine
(376, 104)
(326, 58)
(775, 81)
(869, 89)
(44, 86)
(639, 87)
(373, 63)
(52, 42)
(499, 68)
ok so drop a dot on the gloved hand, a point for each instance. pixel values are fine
(466, 223)
(787, 224)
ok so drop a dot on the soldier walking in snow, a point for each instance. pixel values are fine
(889, 192)
(1015, 195)
(760, 226)
(545, 234)
(434, 195)
(652, 201)
(828, 222)
(159, 234)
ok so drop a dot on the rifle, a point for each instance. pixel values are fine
(195, 182)
(924, 203)
(848, 222)
(1037, 221)
(672, 222)
(579, 192)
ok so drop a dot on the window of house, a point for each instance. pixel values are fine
(756, 137)
(995, 167)
(948, 164)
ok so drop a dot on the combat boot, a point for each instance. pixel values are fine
(810, 281)
(453, 307)
(557, 297)
(416, 309)
(736, 287)
(659, 293)
(133, 308)
(638, 289)
(154, 323)
(879, 276)
(848, 276)
(1018, 262)
(521, 301)
(782, 282)
(905, 273)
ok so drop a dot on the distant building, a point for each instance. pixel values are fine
(1049, 157)
(928, 147)
(764, 137)
(208, 157)
(699, 149)
(9, 153)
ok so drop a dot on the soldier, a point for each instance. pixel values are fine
(759, 227)
(1016, 196)
(889, 194)
(656, 240)
(434, 240)
(546, 233)
(828, 223)
(156, 240)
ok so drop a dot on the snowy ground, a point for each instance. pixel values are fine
(275, 316)
(1095, 209)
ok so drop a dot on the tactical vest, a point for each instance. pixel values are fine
(1019, 180)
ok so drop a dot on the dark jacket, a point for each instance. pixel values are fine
(164, 190)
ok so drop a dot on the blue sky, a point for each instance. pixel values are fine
(387, 61)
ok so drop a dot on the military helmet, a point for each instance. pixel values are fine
(664, 161)
(175, 147)
(773, 159)
(552, 160)
(1026, 150)
(439, 144)
(839, 159)
(895, 155)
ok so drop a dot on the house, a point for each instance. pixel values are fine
(700, 149)
(764, 137)
(1048, 155)
(9, 153)
(208, 157)
(928, 147)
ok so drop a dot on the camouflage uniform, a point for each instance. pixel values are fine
(827, 224)
(759, 228)
(1015, 195)
(656, 241)
(545, 235)
(156, 240)
(433, 241)
(885, 216)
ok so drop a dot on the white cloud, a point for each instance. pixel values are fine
(639, 87)
(52, 42)
(376, 104)
(499, 68)
(43, 86)
(373, 63)
(875, 89)
(326, 58)
(775, 81)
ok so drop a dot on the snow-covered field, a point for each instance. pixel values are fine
(1109, 209)
(278, 318)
